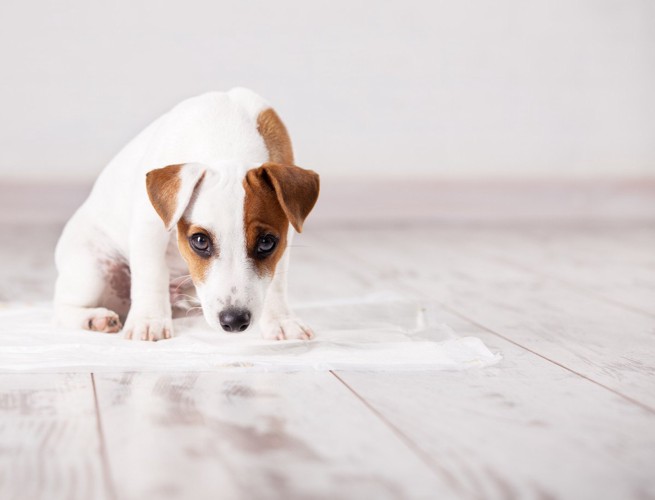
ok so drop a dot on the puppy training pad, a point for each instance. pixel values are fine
(366, 334)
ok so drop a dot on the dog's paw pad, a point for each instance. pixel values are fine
(105, 321)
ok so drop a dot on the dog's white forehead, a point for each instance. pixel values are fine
(219, 202)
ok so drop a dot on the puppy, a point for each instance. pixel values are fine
(196, 212)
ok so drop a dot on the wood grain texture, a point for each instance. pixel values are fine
(615, 264)
(526, 429)
(257, 435)
(564, 415)
(49, 442)
(27, 264)
(604, 342)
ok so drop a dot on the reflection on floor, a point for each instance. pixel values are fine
(568, 413)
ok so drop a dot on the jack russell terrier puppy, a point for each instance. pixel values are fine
(219, 169)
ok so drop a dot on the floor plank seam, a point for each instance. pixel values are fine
(104, 457)
(416, 449)
(580, 289)
(546, 358)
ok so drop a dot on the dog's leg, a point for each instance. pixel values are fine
(277, 321)
(81, 283)
(150, 316)
(97, 319)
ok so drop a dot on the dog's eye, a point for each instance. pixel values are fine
(200, 243)
(265, 245)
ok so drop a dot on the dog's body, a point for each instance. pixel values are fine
(219, 167)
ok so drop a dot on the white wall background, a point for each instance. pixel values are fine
(511, 88)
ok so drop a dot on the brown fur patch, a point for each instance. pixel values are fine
(275, 136)
(296, 190)
(163, 185)
(263, 215)
(198, 266)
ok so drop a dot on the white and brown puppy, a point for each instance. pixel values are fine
(219, 169)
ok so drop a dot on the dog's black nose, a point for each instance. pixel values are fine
(234, 320)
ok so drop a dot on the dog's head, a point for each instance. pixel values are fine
(232, 227)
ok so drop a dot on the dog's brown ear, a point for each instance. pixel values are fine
(296, 189)
(171, 188)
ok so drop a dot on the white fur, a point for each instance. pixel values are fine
(215, 134)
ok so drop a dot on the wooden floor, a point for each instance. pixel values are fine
(568, 413)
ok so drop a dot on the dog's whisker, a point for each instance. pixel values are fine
(185, 306)
(186, 279)
(182, 304)
(191, 309)
(192, 297)
(188, 297)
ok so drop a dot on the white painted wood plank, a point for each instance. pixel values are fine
(50, 446)
(613, 263)
(27, 267)
(317, 272)
(255, 435)
(522, 429)
(526, 428)
(602, 341)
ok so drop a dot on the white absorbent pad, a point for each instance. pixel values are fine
(364, 334)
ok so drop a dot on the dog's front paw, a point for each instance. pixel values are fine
(145, 328)
(286, 328)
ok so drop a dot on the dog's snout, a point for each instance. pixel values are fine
(234, 320)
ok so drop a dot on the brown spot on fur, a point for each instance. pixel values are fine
(263, 215)
(198, 266)
(295, 189)
(119, 277)
(275, 136)
(276, 195)
(163, 185)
